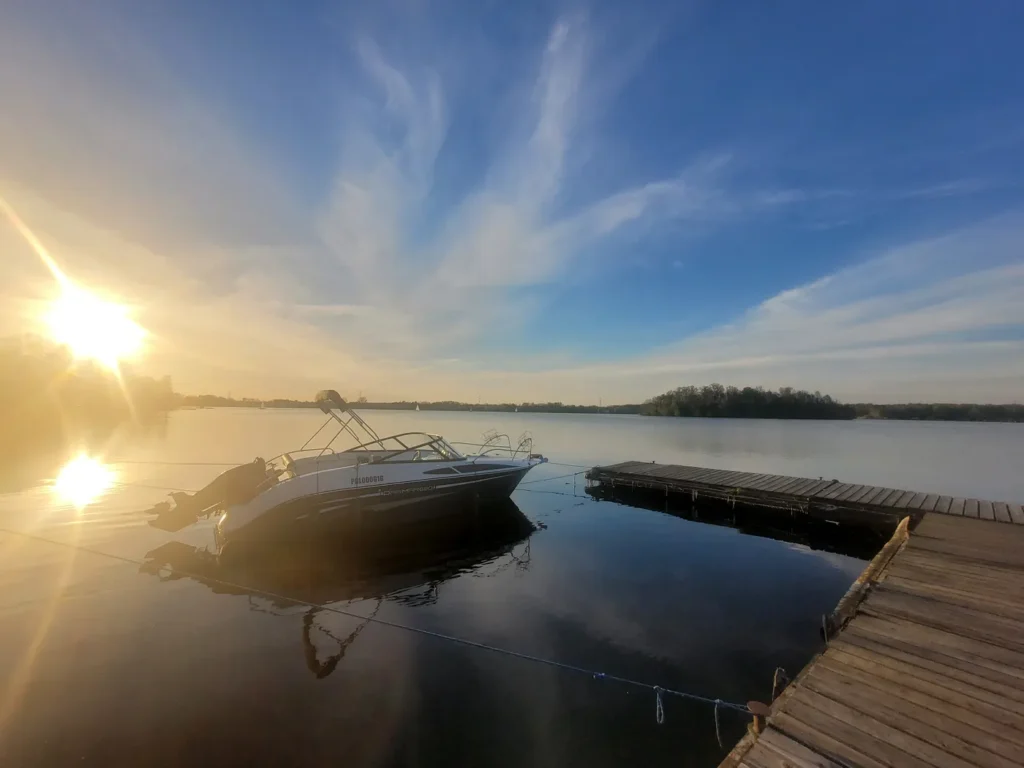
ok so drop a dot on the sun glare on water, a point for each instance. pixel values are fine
(82, 481)
(93, 328)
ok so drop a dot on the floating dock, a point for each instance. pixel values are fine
(924, 657)
(925, 662)
(819, 498)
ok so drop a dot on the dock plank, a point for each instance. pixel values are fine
(832, 739)
(985, 717)
(771, 485)
(917, 750)
(1001, 511)
(806, 488)
(818, 487)
(937, 684)
(972, 596)
(980, 583)
(836, 490)
(958, 647)
(794, 482)
(866, 492)
(1016, 513)
(756, 484)
(792, 752)
(848, 743)
(777, 482)
(970, 623)
(707, 477)
(957, 507)
(903, 500)
(917, 665)
(854, 491)
(985, 511)
(863, 663)
(943, 504)
(999, 554)
(971, 508)
(928, 669)
(890, 499)
(917, 501)
(939, 730)
(876, 497)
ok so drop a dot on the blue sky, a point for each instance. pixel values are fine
(530, 201)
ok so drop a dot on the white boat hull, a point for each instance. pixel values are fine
(371, 497)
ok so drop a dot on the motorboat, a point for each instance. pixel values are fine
(380, 483)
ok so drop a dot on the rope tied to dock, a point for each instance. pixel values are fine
(718, 728)
(550, 479)
(659, 691)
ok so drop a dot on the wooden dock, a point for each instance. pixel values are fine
(820, 498)
(925, 667)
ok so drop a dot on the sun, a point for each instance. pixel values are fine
(82, 481)
(93, 328)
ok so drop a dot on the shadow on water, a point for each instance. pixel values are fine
(862, 542)
(323, 572)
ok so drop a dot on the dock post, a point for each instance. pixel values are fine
(760, 711)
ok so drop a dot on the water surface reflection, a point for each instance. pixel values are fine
(327, 576)
(191, 663)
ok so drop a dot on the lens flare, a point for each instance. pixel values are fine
(93, 328)
(82, 481)
(89, 326)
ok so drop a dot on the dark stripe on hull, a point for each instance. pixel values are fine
(363, 510)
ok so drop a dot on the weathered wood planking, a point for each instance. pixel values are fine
(929, 671)
(822, 498)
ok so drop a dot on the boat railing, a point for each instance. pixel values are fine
(500, 444)
(407, 443)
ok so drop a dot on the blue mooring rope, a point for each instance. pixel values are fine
(657, 689)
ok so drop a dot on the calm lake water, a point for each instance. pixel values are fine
(106, 662)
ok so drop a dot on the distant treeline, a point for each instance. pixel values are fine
(711, 401)
(216, 401)
(718, 401)
(941, 412)
(49, 399)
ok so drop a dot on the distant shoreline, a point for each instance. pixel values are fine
(958, 412)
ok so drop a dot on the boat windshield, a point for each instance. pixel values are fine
(409, 446)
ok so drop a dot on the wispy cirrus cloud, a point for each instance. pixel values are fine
(935, 319)
(423, 297)
(250, 283)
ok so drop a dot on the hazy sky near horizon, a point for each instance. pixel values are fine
(529, 201)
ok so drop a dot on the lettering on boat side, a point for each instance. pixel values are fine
(367, 479)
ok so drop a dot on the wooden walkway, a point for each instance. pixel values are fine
(927, 671)
(831, 499)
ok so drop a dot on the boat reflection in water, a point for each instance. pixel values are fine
(322, 573)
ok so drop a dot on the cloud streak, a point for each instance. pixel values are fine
(249, 286)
